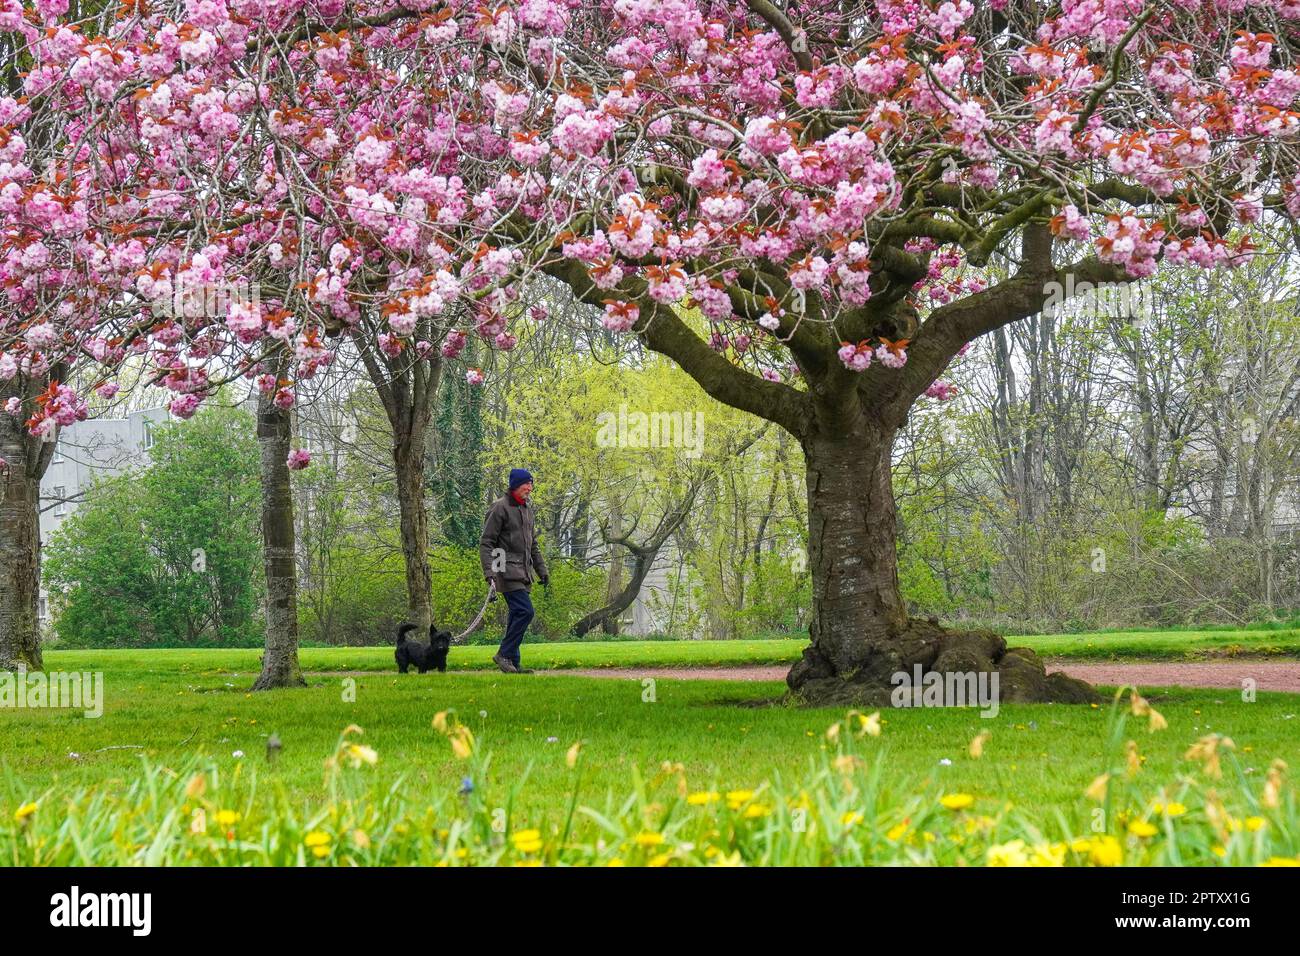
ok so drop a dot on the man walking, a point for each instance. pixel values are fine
(510, 557)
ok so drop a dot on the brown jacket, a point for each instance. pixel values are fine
(508, 548)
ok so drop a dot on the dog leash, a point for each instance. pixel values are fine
(492, 587)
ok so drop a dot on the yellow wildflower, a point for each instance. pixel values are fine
(527, 841)
(318, 842)
(1008, 854)
(1105, 851)
(1048, 854)
(1143, 828)
(956, 801)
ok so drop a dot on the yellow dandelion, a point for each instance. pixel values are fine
(896, 832)
(1008, 854)
(1281, 861)
(319, 843)
(1105, 851)
(648, 838)
(703, 798)
(1143, 828)
(227, 818)
(957, 801)
(25, 811)
(852, 818)
(1048, 854)
(738, 798)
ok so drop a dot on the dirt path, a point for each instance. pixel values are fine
(1267, 674)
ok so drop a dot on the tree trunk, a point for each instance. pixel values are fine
(861, 633)
(614, 583)
(621, 601)
(20, 544)
(407, 390)
(408, 461)
(280, 661)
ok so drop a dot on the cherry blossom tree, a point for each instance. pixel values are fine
(811, 207)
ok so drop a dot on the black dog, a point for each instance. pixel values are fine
(425, 657)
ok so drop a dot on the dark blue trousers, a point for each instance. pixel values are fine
(521, 615)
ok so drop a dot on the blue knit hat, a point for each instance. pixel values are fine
(518, 476)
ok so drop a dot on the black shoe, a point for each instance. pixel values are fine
(525, 670)
(505, 666)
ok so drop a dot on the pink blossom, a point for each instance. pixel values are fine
(184, 406)
(891, 356)
(620, 316)
(454, 344)
(856, 358)
(298, 459)
(941, 390)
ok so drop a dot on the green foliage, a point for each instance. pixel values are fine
(455, 474)
(369, 598)
(101, 573)
(366, 597)
(171, 555)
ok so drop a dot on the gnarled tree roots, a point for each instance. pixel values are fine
(957, 657)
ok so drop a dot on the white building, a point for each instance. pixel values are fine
(87, 451)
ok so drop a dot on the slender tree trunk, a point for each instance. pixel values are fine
(408, 461)
(614, 583)
(20, 544)
(407, 393)
(621, 601)
(280, 661)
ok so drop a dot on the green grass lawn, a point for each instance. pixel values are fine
(1146, 645)
(173, 703)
